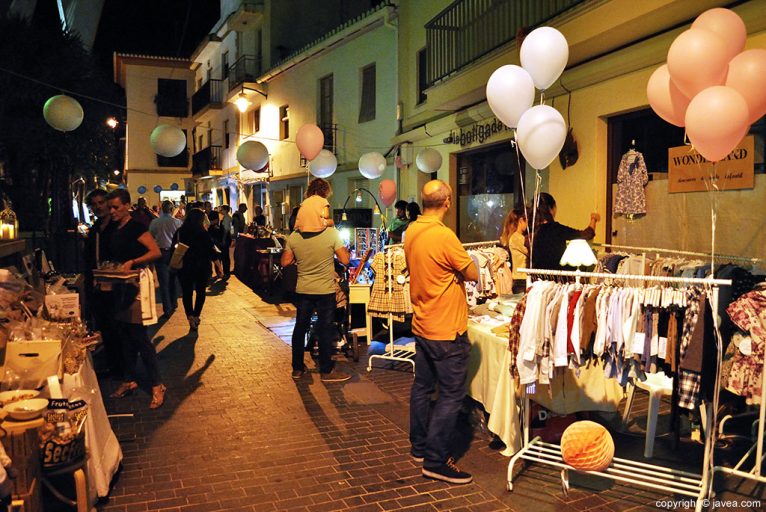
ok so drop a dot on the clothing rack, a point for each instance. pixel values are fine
(653, 476)
(719, 257)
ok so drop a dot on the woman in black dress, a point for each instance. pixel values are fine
(133, 246)
(550, 239)
(195, 272)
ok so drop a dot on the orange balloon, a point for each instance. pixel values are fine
(728, 25)
(665, 98)
(747, 72)
(716, 121)
(387, 192)
(310, 141)
(697, 59)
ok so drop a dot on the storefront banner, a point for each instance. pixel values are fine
(476, 132)
(688, 171)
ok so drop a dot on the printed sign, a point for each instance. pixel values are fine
(688, 171)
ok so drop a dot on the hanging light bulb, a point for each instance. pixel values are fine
(242, 102)
(358, 196)
(376, 210)
(344, 217)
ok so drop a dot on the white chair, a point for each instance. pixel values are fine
(658, 385)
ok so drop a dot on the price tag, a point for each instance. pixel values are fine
(662, 350)
(638, 343)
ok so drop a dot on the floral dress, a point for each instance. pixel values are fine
(632, 177)
(749, 314)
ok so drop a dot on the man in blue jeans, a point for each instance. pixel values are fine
(438, 266)
(163, 229)
(314, 254)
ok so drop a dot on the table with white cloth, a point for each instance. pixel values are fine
(104, 452)
(490, 383)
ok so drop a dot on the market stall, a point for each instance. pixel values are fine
(255, 261)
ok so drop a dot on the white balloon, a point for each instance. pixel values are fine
(544, 54)
(428, 160)
(372, 165)
(324, 164)
(63, 113)
(252, 155)
(167, 140)
(541, 135)
(510, 92)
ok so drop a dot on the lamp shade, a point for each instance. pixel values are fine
(578, 254)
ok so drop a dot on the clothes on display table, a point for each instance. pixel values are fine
(745, 373)
(390, 265)
(632, 177)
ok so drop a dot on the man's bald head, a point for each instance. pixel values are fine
(435, 194)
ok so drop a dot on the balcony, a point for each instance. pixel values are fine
(209, 95)
(469, 29)
(206, 160)
(246, 69)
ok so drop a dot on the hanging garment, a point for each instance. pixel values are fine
(749, 314)
(381, 302)
(632, 177)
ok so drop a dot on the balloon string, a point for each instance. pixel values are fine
(538, 182)
(515, 144)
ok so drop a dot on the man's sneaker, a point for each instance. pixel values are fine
(448, 472)
(335, 376)
(297, 374)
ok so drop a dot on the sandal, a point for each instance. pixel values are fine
(158, 396)
(125, 389)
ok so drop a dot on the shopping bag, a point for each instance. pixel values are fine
(177, 260)
(31, 362)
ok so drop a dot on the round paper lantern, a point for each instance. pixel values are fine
(544, 54)
(587, 446)
(63, 113)
(387, 192)
(174, 186)
(253, 155)
(324, 164)
(510, 92)
(716, 121)
(310, 141)
(541, 135)
(428, 160)
(167, 140)
(142, 189)
(157, 189)
(372, 165)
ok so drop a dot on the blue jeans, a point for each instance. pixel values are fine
(445, 363)
(168, 292)
(325, 308)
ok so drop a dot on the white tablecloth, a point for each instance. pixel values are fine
(104, 452)
(490, 383)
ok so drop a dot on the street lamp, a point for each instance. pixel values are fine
(242, 102)
(358, 193)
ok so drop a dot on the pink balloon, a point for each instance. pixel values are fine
(387, 192)
(728, 25)
(665, 97)
(310, 141)
(716, 121)
(697, 59)
(747, 72)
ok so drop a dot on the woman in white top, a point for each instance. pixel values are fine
(513, 238)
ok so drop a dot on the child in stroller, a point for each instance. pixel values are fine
(343, 341)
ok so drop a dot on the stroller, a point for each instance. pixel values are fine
(343, 341)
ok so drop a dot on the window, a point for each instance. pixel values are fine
(224, 65)
(326, 109)
(199, 83)
(226, 134)
(422, 76)
(171, 98)
(367, 104)
(284, 122)
(180, 160)
(199, 143)
(209, 135)
(209, 72)
(254, 121)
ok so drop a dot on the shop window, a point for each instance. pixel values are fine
(422, 75)
(171, 98)
(367, 104)
(284, 122)
(488, 186)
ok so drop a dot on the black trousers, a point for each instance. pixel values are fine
(325, 308)
(103, 316)
(192, 282)
(134, 339)
(226, 259)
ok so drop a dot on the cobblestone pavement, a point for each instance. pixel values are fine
(236, 433)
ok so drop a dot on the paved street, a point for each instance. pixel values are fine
(236, 433)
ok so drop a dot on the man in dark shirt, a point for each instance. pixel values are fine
(238, 223)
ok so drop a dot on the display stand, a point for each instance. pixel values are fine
(716, 257)
(653, 476)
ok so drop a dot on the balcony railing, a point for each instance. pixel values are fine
(211, 93)
(470, 29)
(245, 69)
(206, 160)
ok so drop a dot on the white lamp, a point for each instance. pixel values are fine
(578, 254)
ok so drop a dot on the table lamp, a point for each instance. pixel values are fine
(578, 254)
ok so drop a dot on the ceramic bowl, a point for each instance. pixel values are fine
(27, 409)
(8, 397)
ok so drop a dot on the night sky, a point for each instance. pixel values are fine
(153, 27)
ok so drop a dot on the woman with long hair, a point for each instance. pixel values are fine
(196, 270)
(413, 211)
(514, 239)
(550, 240)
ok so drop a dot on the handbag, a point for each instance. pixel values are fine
(177, 260)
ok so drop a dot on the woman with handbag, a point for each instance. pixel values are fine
(195, 271)
(133, 246)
